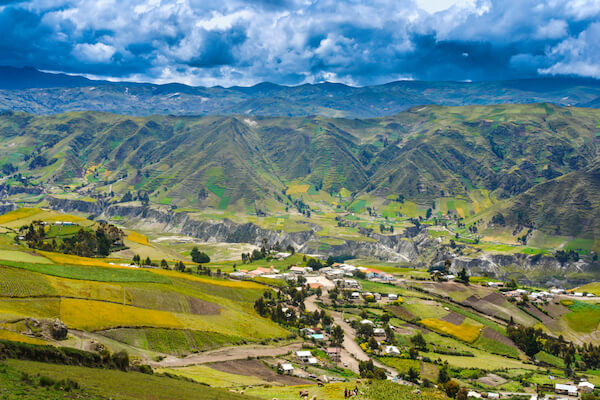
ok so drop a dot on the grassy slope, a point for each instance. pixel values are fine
(125, 385)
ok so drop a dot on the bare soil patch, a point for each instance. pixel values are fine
(556, 310)
(258, 369)
(402, 313)
(495, 298)
(454, 318)
(492, 380)
(498, 337)
(472, 300)
(203, 307)
(540, 315)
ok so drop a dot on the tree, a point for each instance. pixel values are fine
(148, 261)
(164, 264)
(428, 213)
(412, 375)
(462, 394)
(419, 341)
(463, 276)
(413, 353)
(451, 387)
(180, 266)
(337, 335)
(443, 374)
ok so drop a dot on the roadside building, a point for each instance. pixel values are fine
(586, 387)
(334, 353)
(569, 390)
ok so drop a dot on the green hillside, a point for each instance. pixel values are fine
(471, 159)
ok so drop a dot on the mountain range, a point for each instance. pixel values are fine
(538, 162)
(33, 91)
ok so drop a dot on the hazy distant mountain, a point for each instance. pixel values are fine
(43, 93)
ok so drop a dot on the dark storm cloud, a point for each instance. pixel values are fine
(289, 41)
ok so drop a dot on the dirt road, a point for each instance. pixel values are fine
(226, 354)
(351, 351)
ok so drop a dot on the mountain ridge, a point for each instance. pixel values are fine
(37, 92)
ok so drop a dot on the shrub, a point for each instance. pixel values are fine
(46, 381)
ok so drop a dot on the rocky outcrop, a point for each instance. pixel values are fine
(69, 205)
(396, 248)
(501, 265)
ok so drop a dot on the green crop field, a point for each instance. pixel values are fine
(90, 273)
(125, 385)
(19, 283)
(584, 317)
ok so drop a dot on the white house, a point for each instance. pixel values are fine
(393, 350)
(492, 395)
(355, 295)
(367, 322)
(585, 387)
(379, 332)
(473, 395)
(287, 368)
(392, 297)
(569, 390)
(312, 361)
(304, 355)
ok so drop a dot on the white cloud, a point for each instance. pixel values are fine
(97, 52)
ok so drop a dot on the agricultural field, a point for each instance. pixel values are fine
(124, 385)
(467, 332)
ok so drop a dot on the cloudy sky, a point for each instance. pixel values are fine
(237, 42)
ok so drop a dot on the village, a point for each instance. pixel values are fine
(367, 336)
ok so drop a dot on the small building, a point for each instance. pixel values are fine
(334, 353)
(351, 283)
(569, 390)
(495, 284)
(287, 368)
(586, 387)
(317, 336)
(392, 297)
(304, 355)
(379, 332)
(298, 270)
(473, 395)
(578, 294)
(237, 275)
(312, 361)
(391, 350)
(492, 395)
(355, 295)
(367, 322)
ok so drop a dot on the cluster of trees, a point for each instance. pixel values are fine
(565, 255)
(383, 228)
(368, 370)
(68, 356)
(139, 196)
(199, 257)
(532, 341)
(8, 169)
(255, 255)
(86, 242)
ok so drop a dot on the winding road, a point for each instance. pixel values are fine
(352, 353)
